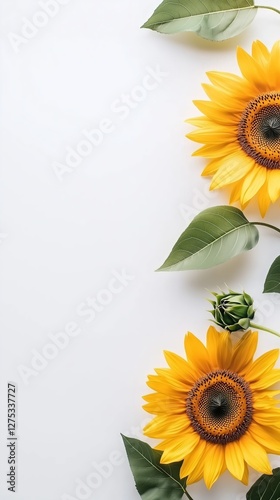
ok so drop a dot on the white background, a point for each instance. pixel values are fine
(118, 212)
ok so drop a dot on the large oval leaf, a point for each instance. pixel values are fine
(154, 481)
(272, 281)
(266, 487)
(214, 236)
(211, 19)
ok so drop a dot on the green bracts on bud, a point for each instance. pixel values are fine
(232, 311)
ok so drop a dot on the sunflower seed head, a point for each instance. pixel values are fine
(232, 311)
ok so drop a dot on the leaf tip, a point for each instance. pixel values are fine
(147, 25)
(163, 267)
(159, 269)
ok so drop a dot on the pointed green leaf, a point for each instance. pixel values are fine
(154, 481)
(214, 236)
(272, 281)
(211, 19)
(266, 487)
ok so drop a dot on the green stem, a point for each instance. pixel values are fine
(266, 7)
(264, 223)
(189, 496)
(259, 327)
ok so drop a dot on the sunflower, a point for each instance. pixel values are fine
(216, 411)
(241, 127)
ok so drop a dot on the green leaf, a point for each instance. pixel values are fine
(212, 19)
(272, 281)
(154, 481)
(266, 487)
(214, 236)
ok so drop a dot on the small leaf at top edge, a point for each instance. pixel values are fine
(211, 19)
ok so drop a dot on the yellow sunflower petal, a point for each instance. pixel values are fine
(268, 418)
(212, 167)
(197, 473)
(233, 169)
(266, 398)
(252, 184)
(273, 184)
(264, 199)
(262, 365)
(223, 98)
(199, 121)
(244, 352)
(235, 192)
(167, 385)
(180, 367)
(219, 346)
(252, 70)
(245, 478)
(273, 67)
(215, 135)
(193, 459)
(266, 380)
(260, 53)
(267, 437)
(212, 150)
(231, 83)
(165, 409)
(216, 113)
(177, 448)
(161, 404)
(234, 460)
(197, 354)
(166, 426)
(214, 465)
(254, 454)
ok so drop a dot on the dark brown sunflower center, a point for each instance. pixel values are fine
(220, 407)
(259, 130)
(270, 127)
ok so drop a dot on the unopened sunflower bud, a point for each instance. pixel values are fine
(232, 311)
